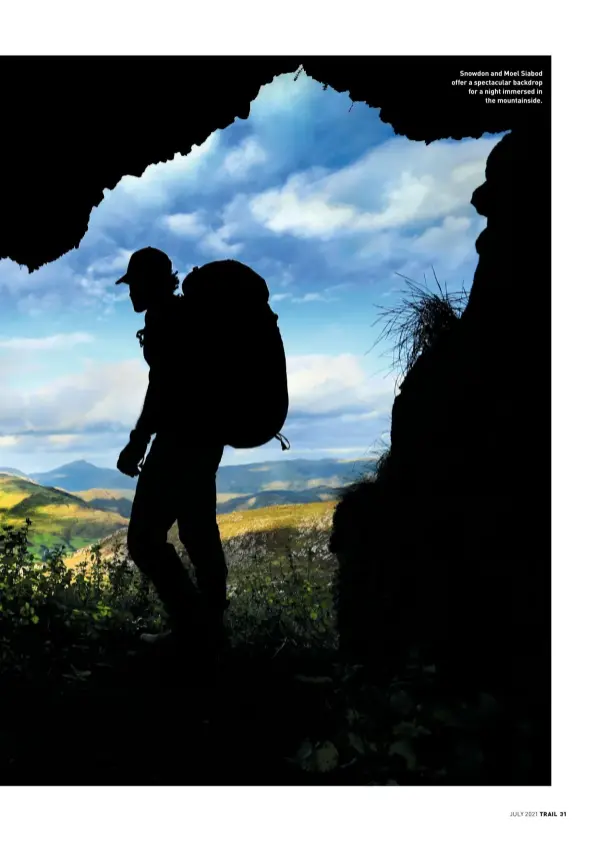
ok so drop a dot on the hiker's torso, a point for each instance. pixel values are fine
(174, 347)
(162, 349)
(161, 337)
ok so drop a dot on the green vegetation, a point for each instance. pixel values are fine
(286, 709)
(57, 517)
(120, 502)
(76, 519)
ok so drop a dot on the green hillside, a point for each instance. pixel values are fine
(107, 500)
(56, 516)
(13, 490)
(265, 499)
(80, 520)
(106, 494)
(120, 502)
(263, 532)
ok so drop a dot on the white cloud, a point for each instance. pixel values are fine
(216, 242)
(134, 200)
(8, 441)
(88, 415)
(241, 160)
(18, 280)
(46, 343)
(15, 278)
(297, 210)
(438, 236)
(208, 239)
(342, 450)
(320, 384)
(40, 304)
(281, 97)
(112, 393)
(185, 224)
(63, 441)
(309, 297)
(59, 286)
(277, 272)
(111, 263)
(102, 394)
(158, 181)
(396, 184)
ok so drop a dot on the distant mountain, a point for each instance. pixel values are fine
(277, 498)
(13, 472)
(255, 478)
(82, 475)
(57, 517)
(290, 475)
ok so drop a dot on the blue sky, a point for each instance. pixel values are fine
(319, 197)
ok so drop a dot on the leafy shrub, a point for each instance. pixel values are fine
(280, 598)
(47, 610)
(284, 600)
(362, 726)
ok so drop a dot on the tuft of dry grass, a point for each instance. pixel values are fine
(413, 325)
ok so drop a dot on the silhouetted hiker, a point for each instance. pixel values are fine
(177, 478)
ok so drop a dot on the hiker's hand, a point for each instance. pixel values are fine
(129, 459)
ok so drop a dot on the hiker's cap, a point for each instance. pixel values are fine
(147, 261)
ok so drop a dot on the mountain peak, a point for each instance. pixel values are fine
(81, 475)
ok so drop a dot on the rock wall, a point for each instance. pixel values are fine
(457, 524)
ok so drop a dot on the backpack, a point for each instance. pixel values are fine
(249, 379)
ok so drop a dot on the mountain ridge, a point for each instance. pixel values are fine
(253, 477)
(14, 472)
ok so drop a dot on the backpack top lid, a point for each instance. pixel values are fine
(226, 280)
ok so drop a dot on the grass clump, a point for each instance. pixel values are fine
(412, 326)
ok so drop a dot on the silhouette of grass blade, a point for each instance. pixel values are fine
(413, 324)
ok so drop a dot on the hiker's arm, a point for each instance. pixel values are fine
(147, 421)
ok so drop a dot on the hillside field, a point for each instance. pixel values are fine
(56, 516)
(262, 532)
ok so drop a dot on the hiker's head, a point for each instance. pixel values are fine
(150, 278)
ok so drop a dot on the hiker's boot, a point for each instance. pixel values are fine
(201, 635)
(207, 638)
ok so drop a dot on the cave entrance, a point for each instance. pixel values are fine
(313, 191)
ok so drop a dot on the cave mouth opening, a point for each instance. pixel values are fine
(321, 197)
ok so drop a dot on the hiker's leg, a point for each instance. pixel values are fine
(153, 514)
(198, 529)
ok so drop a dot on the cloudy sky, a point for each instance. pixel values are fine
(319, 197)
